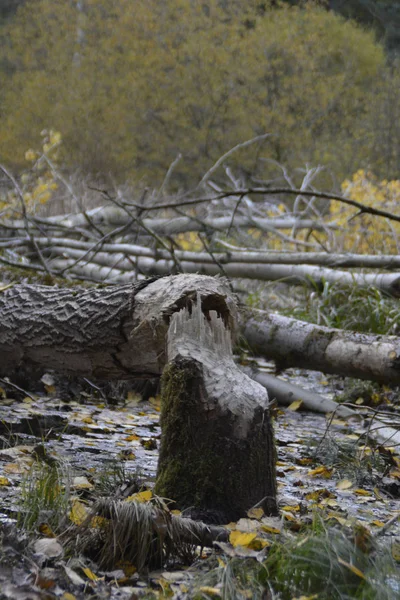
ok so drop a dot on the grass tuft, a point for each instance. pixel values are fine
(45, 497)
(350, 307)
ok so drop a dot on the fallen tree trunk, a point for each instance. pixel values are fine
(110, 333)
(217, 448)
(293, 343)
(112, 216)
(239, 256)
(113, 268)
(285, 393)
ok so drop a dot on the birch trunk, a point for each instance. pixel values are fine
(293, 343)
(322, 259)
(116, 268)
(112, 216)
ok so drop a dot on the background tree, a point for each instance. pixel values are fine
(130, 86)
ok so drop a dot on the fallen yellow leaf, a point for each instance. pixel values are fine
(4, 481)
(132, 438)
(89, 574)
(46, 530)
(87, 420)
(361, 492)
(79, 512)
(344, 484)
(322, 471)
(258, 544)
(295, 405)
(295, 508)
(238, 538)
(211, 591)
(269, 529)
(255, 513)
(140, 496)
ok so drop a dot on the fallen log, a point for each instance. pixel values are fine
(112, 216)
(293, 343)
(116, 268)
(217, 447)
(230, 256)
(285, 393)
(116, 332)
(217, 450)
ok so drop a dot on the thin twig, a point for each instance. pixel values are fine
(6, 382)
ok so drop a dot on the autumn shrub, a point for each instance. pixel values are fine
(361, 232)
(36, 185)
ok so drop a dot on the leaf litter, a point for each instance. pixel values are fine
(330, 471)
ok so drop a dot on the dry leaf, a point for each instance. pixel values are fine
(344, 484)
(295, 405)
(140, 496)
(322, 471)
(79, 512)
(81, 483)
(214, 592)
(238, 538)
(89, 574)
(291, 508)
(361, 492)
(255, 513)
(46, 530)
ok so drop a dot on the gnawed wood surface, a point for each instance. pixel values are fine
(117, 332)
(217, 447)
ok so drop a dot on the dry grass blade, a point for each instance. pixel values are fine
(143, 534)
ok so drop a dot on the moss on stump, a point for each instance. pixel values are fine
(206, 461)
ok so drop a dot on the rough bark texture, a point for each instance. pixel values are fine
(293, 343)
(217, 447)
(110, 333)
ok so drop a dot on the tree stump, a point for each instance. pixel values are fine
(217, 449)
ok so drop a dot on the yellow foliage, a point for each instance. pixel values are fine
(365, 233)
(38, 184)
(131, 84)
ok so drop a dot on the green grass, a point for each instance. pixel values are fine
(45, 496)
(350, 307)
(322, 563)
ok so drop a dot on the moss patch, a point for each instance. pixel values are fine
(202, 462)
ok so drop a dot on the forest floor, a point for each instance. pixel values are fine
(327, 470)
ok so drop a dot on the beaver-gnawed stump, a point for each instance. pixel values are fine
(217, 452)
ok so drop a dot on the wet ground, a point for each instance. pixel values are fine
(94, 442)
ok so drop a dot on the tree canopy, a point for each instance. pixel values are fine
(133, 85)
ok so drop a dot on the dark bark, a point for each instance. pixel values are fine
(117, 332)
